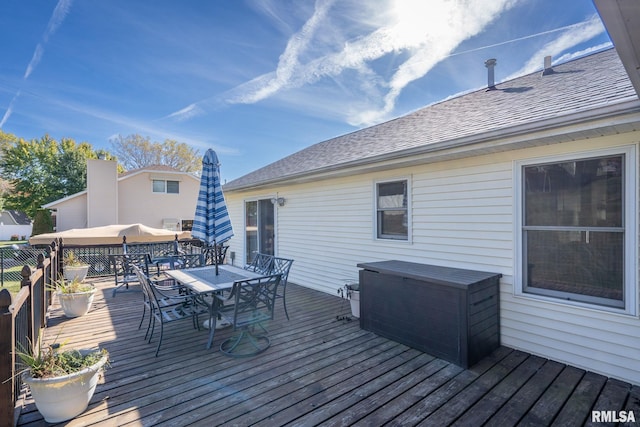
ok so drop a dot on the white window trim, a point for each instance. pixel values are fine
(409, 215)
(165, 186)
(630, 221)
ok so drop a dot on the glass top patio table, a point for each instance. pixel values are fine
(203, 280)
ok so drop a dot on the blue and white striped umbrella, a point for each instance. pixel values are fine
(211, 223)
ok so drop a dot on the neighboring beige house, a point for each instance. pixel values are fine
(156, 196)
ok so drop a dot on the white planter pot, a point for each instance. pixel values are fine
(62, 398)
(76, 304)
(355, 303)
(71, 273)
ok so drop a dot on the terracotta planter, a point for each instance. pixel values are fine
(76, 304)
(62, 398)
(79, 272)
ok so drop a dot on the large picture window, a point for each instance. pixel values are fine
(392, 210)
(575, 230)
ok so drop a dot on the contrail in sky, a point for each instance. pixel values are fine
(59, 13)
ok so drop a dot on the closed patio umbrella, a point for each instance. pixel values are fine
(211, 223)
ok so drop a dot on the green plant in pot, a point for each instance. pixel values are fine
(73, 267)
(62, 382)
(75, 296)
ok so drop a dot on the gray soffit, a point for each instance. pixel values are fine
(585, 98)
(622, 20)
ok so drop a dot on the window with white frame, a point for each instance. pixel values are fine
(165, 186)
(577, 232)
(392, 210)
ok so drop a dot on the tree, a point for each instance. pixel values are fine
(43, 170)
(135, 151)
(42, 222)
(6, 140)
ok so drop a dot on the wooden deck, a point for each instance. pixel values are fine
(319, 370)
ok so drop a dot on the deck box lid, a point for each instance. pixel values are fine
(457, 277)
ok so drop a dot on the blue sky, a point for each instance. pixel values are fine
(257, 80)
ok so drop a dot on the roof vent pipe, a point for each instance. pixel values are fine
(547, 66)
(490, 64)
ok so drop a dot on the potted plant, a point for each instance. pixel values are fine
(74, 295)
(351, 292)
(62, 382)
(73, 267)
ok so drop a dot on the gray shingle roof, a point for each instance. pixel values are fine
(583, 84)
(11, 217)
(158, 168)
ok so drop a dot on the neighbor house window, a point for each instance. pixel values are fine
(392, 210)
(576, 233)
(162, 186)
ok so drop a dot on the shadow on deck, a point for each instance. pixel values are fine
(319, 369)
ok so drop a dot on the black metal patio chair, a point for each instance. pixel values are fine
(211, 255)
(186, 261)
(261, 263)
(282, 266)
(166, 308)
(122, 267)
(253, 304)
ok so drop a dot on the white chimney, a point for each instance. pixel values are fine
(547, 66)
(490, 64)
(102, 192)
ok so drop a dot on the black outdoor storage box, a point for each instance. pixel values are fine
(450, 313)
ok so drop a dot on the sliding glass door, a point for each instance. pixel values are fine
(259, 228)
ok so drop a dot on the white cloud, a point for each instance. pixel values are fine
(454, 23)
(57, 18)
(573, 36)
(413, 35)
(186, 113)
(7, 113)
(422, 32)
(289, 62)
(59, 13)
(35, 60)
(153, 130)
(570, 56)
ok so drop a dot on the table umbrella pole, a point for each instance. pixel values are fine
(215, 255)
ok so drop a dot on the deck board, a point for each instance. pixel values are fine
(320, 370)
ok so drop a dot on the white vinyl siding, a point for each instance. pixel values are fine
(462, 215)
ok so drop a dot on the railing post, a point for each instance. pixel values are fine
(49, 274)
(60, 257)
(1, 268)
(43, 292)
(26, 281)
(7, 359)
